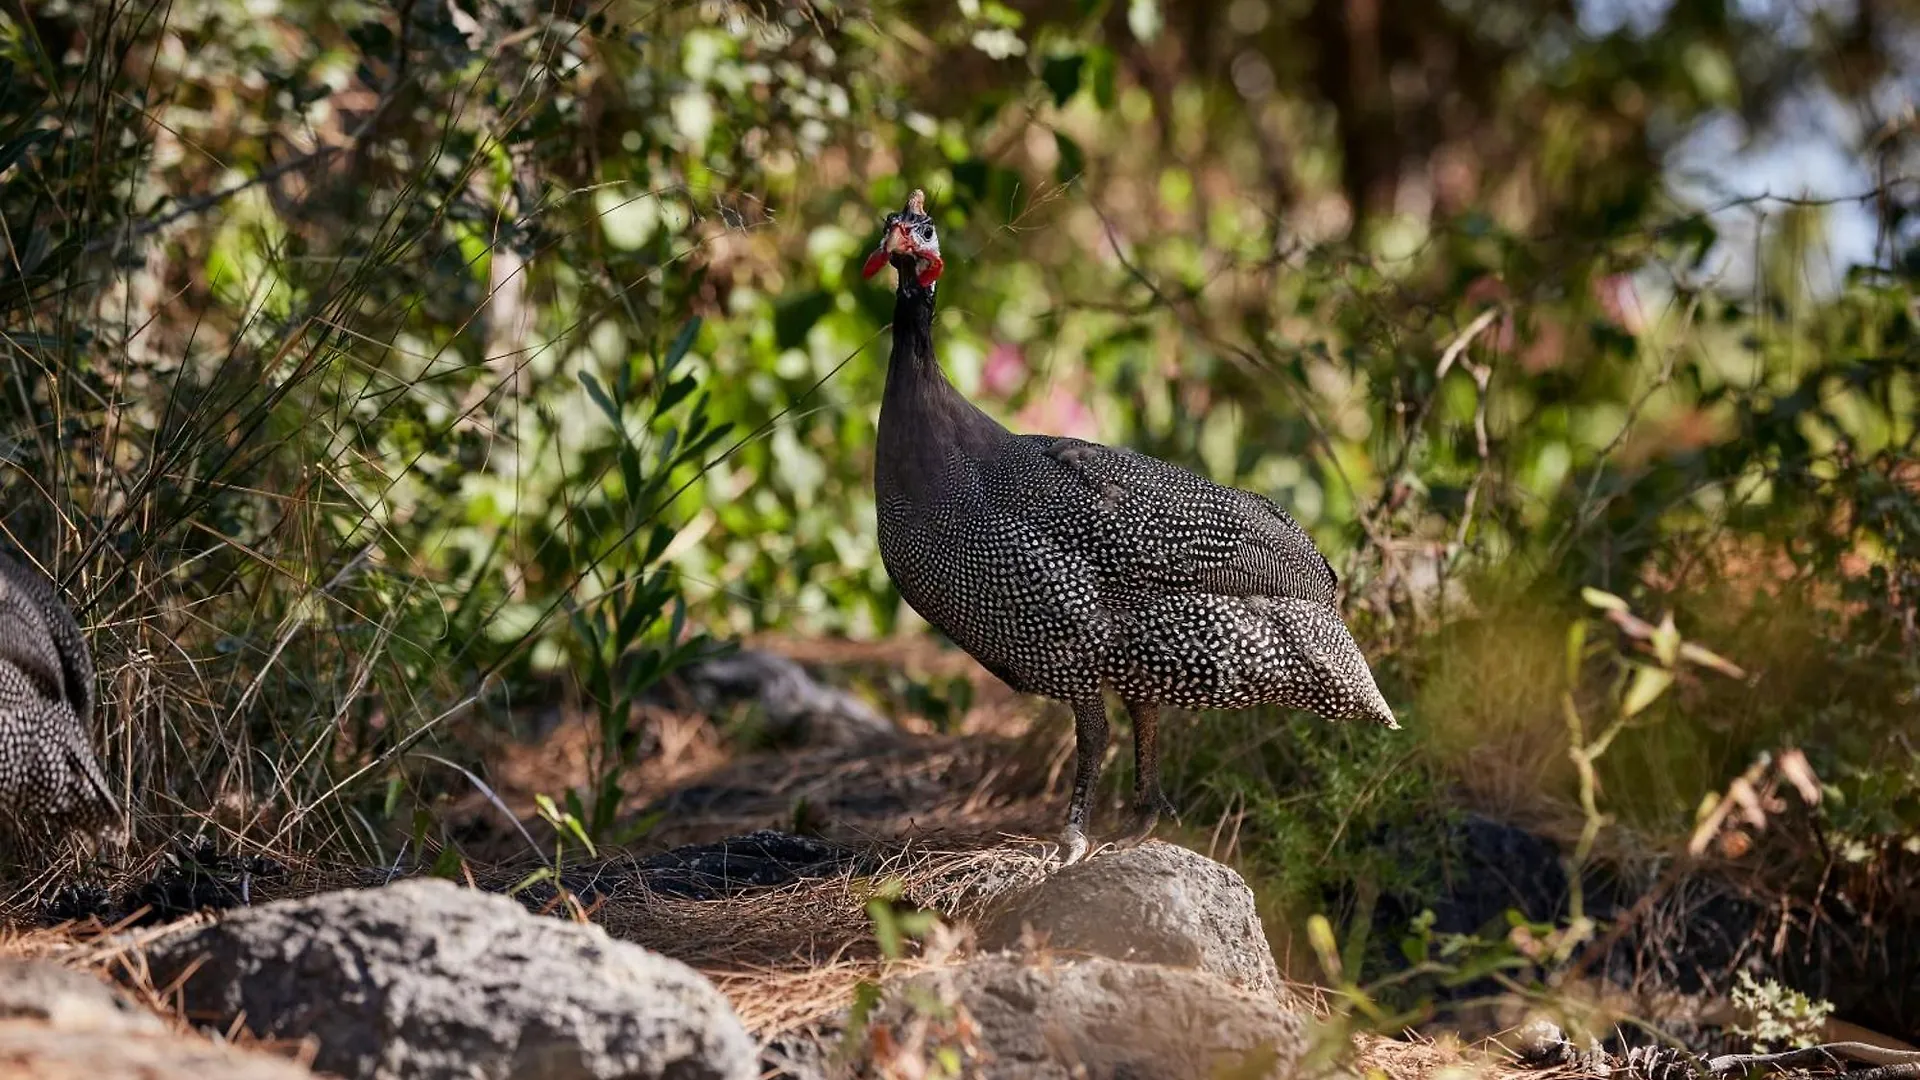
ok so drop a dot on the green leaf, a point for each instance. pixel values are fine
(1320, 936)
(682, 343)
(1576, 651)
(1648, 684)
(579, 833)
(669, 443)
(600, 398)
(446, 864)
(1062, 76)
(657, 542)
(705, 441)
(1100, 72)
(1666, 640)
(676, 392)
(866, 998)
(607, 807)
(630, 475)
(1603, 600)
(637, 829)
(528, 882)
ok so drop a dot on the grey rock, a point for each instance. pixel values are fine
(68, 1000)
(1104, 1019)
(425, 980)
(36, 1051)
(799, 710)
(1155, 903)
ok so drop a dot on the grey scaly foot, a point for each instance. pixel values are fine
(1090, 745)
(1073, 846)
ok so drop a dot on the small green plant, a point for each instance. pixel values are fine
(634, 632)
(1637, 685)
(893, 927)
(1777, 1018)
(567, 831)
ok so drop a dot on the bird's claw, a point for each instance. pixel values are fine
(1146, 814)
(1073, 846)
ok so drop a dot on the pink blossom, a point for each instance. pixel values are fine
(1058, 412)
(1620, 301)
(1005, 369)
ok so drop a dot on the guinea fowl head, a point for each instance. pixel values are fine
(909, 242)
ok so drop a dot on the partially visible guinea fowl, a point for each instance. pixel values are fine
(1065, 566)
(50, 782)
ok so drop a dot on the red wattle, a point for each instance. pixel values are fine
(931, 272)
(874, 262)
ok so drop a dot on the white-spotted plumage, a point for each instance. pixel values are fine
(50, 780)
(1066, 566)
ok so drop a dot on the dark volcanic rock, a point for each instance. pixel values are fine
(192, 877)
(728, 867)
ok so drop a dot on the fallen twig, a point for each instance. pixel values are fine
(1544, 1045)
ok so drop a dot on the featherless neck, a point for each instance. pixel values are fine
(913, 334)
(922, 415)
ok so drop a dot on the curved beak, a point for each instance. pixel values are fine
(890, 242)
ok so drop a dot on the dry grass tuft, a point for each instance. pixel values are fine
(1419, 1058)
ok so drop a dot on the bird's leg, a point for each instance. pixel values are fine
(1148, 802)
(1090, 746)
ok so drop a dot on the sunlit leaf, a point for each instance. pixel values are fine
(1320, 936)
(1601, 599)
(1576, 651)
(1648, 684)
(1666, 640)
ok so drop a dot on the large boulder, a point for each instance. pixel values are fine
(1101, 1018)
(1155, 903)
(425, 980)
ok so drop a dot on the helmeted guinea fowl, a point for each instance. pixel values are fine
(1064, 566)
(50, 781)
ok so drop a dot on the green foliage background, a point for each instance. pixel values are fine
(365, 363)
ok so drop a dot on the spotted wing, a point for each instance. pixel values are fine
(1164, 524)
